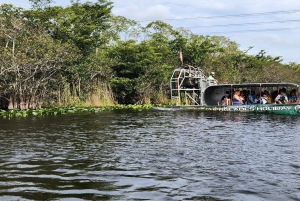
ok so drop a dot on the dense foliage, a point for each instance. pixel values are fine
(83, 55)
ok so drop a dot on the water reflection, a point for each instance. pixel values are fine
(160, 154)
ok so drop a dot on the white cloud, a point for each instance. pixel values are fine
(277, 42)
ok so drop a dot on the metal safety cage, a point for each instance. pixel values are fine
(188, 84)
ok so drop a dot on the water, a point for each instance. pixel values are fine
(159, 154)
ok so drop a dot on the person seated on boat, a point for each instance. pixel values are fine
(251, 98)
(269, 97)
(226, 99)
(293, 96)
(281, 98)
(285, 96)
(264, 99)
(211, 78)
(274, 94)
(257, 99)
(237, 99)
(242, 94)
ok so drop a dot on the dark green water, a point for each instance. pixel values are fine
(159, 154)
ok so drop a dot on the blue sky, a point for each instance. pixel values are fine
(272, 25)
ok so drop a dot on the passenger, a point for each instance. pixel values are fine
(293, 97)
(226, 99)
(281, 98)
(237, 99)
(211, 77)
(251, 98)
(256, 100)
(264, 99)
(274, 94)
(242, 94)
(269, 97)
(285, 96)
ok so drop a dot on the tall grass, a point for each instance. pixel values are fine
(162, 97)
(102, 96)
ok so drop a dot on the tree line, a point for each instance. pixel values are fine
(84, 55)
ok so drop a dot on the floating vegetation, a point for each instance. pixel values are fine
(73, 109)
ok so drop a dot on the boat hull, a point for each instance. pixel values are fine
(285, 109)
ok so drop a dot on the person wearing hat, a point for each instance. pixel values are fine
(211, 77)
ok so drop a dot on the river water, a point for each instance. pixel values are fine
(157, 154)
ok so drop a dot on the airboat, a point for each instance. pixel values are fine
(191, 89)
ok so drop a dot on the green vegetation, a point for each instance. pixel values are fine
(82, 55)
(73, 109)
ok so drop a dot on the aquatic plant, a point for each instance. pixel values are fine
(73, 109)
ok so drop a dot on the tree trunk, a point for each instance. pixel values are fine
(22, 102)
(16, 102)
(32, 103)
(10, 102)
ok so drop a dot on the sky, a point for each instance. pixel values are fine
(269, 25)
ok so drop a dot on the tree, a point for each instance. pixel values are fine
(30, 61)
(40, 4)
(83, 24)
(121, 28)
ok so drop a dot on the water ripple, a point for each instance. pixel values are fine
(159, 154)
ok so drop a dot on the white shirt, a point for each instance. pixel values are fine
(263, 100)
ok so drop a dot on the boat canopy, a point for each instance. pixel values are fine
(248, 85)
(213, 94)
